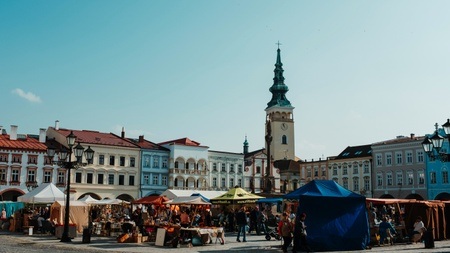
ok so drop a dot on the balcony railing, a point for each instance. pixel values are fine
(188, 172)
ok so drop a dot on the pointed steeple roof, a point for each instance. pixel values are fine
(278, 88)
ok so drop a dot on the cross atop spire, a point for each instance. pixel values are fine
(278, 43)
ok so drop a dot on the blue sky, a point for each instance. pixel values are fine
(358, 72)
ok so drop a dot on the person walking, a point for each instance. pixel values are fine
(303, 245)
(285, 229)
(241, 221)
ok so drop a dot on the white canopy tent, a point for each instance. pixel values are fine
(171, 194)
(88, 200)
(45, 193)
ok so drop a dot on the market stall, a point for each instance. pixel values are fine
(78, 215)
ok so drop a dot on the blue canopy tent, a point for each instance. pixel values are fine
(336, 217)
(11, 207)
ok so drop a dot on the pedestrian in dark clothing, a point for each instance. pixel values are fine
(254, 215)
(302, 231)
(241, 221)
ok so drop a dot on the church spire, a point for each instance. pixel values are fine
(245, 145)
(278, 88)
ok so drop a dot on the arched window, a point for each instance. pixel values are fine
(176, 165)
(284, 139)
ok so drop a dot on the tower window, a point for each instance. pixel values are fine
(284, 139)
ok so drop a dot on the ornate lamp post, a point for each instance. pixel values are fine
(62, 157)
(433, 145)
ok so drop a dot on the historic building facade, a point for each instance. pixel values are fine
(226, 170)
(188, 164)
(154, 166)
(352, 169)
(114, 171)
(399, 168)
(23, 163)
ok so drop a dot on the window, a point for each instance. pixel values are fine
(111, 160)
(231, 182)
(379, 180)
(355, 169)
(122, 161)
(433, 177)
(186, 166)
(356, 184)
(445, 177)
(47, 176)
(89, 178)
(258, 169)
(389, 178)
(100, 178)
(15, 175)
(214, 165)
(345, 182)
(121, 179)
(146, 179)
(344, 170)
(421, 176)
(78, 177)
(222, 182)
(284, 139)
(231, 168)
(399, 177)
(110, 179)
(410, 176)
(131, 180)
(132, 162)
(3, 174)
(61, 177)
(155, 179)
(308, 172)
(164, 180)
(335, 170)
(398, 158)
(379, 161)
(366, 167)
(214, 182)
(31, 177)
(32, 159)
(239, 168)
(164, 163)
(409, 157)
(388, 159)
(101, 159)
(156, 162)
(316, 172)
(147, 162)
(16, 158)
(240, 182)
(420, 156)
(367, 184)
(176, 165)
(223, 167)
(4, 157)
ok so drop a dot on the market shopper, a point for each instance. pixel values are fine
(241, 221)
(285, 229)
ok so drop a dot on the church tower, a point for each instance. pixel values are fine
(279, 118)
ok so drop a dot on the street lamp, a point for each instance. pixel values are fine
(63, 154)
(433, 145)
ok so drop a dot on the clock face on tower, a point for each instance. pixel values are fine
(284, 126)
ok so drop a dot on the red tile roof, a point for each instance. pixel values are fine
(145, 144)
(183, 141)
(28, 143)
(95, 137)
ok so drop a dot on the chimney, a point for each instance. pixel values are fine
(141, 138)
(412, 136)
(123, 132)
(13, 135)
(57, 125)
(1, 129)
(42, 135)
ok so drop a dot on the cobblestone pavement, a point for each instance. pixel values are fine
(20, 243)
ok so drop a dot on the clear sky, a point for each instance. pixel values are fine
(358, 72)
